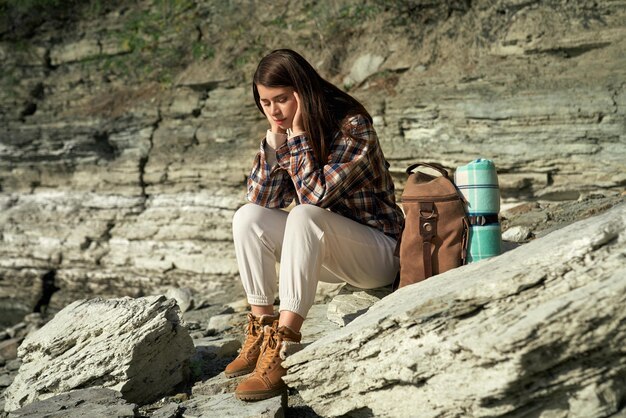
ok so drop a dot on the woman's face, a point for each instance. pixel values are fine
(279, 104)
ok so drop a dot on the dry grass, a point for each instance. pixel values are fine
(117, 102)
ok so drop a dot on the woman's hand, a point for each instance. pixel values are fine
(296, 125)
(274, 127)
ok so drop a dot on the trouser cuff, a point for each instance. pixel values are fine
(294, 305)
(260, 300)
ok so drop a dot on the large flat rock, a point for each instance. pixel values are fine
(91, 402)
(227, 405)
(537, 331)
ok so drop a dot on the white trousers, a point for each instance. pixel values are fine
(312, 244)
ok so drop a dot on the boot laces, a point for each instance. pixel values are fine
(252, 333)
(271, 339)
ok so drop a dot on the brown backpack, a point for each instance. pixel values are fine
(435, 234)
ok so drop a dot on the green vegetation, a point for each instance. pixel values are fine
(201, 50)
(148, 43)
(355, 13)
(155, 40)
(145, 37)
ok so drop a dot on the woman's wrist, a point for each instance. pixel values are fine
(295, 133)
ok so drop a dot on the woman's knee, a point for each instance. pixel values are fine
(306, 212)
(306, 216)
(246, 217)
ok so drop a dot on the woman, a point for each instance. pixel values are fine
(322, 150)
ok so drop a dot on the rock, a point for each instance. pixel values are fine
(180, 397)
(8, 348)
(217, 385)
(91, 402)
(352, 302)
(135, 346)
(299, 408)
(508, 246)
(317, 324)
(363, 67)
(171, 410)
(193, 325)
(198, 74)
(220, 323)
(197, 335)
(28, 54)
(517, 234)
(223, 347)
(184, 103)
(5, 380)
(325, 292)
(212, 356)
(542, 218)
(13, 365)
(17, 330)
(226, 310)
(200, 317)
(539, 331)
(183, 297)
(33, 321)
(75, 51)
(225, 405)
(240, 305)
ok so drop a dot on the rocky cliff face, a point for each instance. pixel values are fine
(126, 132)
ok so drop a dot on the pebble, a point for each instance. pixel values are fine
(8, 348)
(220, 323)
(517, 234)
(14, 364)
(6, 380)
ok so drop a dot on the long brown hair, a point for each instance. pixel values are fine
(325, 107)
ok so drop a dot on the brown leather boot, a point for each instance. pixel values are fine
(249, 353)
(266, 381)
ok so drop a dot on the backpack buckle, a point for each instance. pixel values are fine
(428, 220)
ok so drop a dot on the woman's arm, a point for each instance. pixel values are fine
(346, 170)
(268, 184)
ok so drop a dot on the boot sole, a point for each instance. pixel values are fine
(239, 373)
(260, 395)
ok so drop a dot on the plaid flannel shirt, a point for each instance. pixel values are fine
(355, 181)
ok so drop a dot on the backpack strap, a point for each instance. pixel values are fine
(428, 229)
(434, 166)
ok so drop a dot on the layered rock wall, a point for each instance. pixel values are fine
(126, 132)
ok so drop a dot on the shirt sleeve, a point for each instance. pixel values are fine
(346, 170)
(269, 185)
